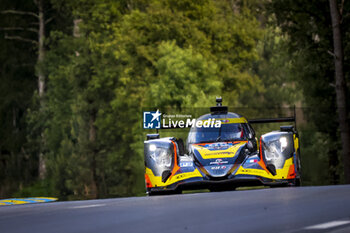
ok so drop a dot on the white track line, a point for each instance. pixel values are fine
(327, 225)
(86, 206)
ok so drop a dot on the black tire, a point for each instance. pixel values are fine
(160, 193)
(280, 185)
(221, 189)
(297, 182)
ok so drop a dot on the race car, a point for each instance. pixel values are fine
(223, 156)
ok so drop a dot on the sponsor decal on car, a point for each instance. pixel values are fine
(186, 164)
(219, 162)
(218, 167)
(252, 161)
(218, 146)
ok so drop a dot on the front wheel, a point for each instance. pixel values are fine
(221, 189)
(297, 182)
(167, 192)
(294, 183)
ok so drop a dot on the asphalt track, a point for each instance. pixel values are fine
(302, 209)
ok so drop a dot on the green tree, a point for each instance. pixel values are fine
(309, 27)
(18, 167)
(159, 53)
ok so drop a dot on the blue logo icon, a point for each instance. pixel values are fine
(151, 120)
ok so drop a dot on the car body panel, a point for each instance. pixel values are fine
(274, 160)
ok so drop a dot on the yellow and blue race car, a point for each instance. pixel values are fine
(223, 156)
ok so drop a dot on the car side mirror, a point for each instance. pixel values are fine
(181, 146)
(250, 136)
(250, 146)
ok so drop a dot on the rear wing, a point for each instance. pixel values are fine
(272, 120)
(252, 121)
(276, 120)
(219, 109)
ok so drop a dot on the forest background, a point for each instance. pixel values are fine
(76, 76)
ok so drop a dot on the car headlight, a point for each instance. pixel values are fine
(152, 148)
(273, 150)
(162, 156)
(284, 143)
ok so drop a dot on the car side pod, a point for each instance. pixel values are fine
(279, 152)
(159, 156)
(276, 147)
(161, 162)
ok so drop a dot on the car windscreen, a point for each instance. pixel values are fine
(227, 132)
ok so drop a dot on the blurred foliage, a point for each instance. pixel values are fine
(107, 61)
(18, 83)
(309, 27)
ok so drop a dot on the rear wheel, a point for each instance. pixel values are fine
(297, 182)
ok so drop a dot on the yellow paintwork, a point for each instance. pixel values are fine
(228, 153)
(157, 180)
(19, 201)
(232, 120)
(225, 120)
(15, 202)
(281, 173)
(296, 143)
